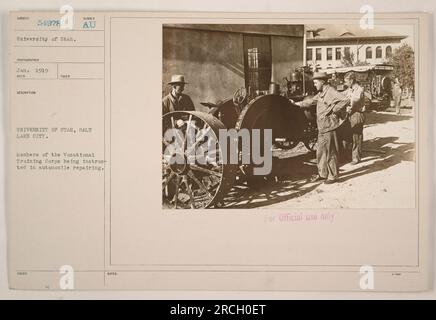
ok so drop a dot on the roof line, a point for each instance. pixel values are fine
(355, 38)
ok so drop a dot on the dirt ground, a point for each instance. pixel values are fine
(384, 179)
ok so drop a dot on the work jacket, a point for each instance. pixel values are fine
(357, 100)
(330, 108)
(171, 103)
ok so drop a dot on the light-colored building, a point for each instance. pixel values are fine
(326, 45)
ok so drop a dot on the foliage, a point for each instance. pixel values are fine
(349, 60)
(403, 61)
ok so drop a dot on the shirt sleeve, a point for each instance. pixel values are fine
(356, 99)
(164, 106)
(307, 102)
(338, 101)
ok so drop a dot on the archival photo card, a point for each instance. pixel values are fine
(218, 151)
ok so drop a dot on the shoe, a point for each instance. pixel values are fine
(317, 178)
(354, 162)
(330, 181)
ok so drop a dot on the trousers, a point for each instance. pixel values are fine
(397, 100)
(327, 155)
(357, 136)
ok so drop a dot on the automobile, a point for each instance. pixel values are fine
(375, 79)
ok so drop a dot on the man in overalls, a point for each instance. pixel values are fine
(330, 113)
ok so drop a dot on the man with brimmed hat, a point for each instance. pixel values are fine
(330, 114)
(176, 100)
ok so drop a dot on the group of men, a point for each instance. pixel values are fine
(340, 120)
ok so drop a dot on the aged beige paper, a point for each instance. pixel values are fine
(94, 201)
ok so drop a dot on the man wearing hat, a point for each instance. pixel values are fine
(176, 100)
(330, 114)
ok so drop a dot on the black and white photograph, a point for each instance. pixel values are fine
(295, 152)
(288, 116)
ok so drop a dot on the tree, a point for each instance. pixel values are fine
(403, 61)
(349, 60)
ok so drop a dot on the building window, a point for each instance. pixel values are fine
(258, 62)
(347, 51)
(368, 54)
(388, 51)
(309, 54)
(253, 58)
(338, 54)
(329, 53)
(378, 52)
(318, 54)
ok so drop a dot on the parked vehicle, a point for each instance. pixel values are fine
(375, 79)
